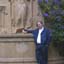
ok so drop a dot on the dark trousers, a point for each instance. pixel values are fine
(42, 55)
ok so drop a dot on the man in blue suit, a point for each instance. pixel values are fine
(42, 37)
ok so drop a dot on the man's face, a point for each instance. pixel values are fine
(39, 25)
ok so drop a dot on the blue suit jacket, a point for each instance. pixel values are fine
(45, 36)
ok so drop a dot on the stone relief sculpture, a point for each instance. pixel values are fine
(33, 14)
(20, 10)
(23, 14)
(19, 14)
(2, 8)
(4, 19)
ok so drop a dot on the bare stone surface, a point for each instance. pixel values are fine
(22, 47)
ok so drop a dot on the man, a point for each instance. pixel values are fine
(42, 37)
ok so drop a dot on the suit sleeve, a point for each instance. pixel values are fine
(49, 37)
(29, 31)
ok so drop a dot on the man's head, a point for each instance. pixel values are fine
(40, 24)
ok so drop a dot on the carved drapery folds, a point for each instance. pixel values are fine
(15, 14)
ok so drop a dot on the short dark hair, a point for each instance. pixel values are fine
(40, 22)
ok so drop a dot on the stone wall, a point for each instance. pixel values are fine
(20, 49)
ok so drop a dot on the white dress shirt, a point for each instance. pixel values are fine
(39, 35)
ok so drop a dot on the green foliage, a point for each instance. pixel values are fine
(53, 13)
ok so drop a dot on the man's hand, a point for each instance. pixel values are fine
(23, 31)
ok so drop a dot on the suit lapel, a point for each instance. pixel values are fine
(43, 31)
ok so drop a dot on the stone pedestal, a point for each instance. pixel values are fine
(17, 48)
(20, 49)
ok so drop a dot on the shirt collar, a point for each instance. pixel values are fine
(42, 29)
